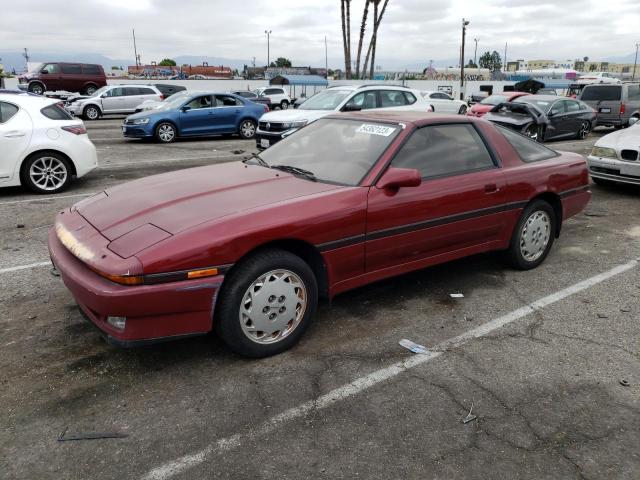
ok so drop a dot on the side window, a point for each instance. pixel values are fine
(148, 91)
(274, 91)
(116, 92)
(557, 108)
(52, 68)
(200, 102)
(7, 110)
(91, 70)
(442, 150)
(528, 150)
(572, 106)
(364, 100)
(131, 91)
(71, 68)
(633, 92)
(56, 112)
(227, 101)
(392, 98)
(410, 98)
(440, 96)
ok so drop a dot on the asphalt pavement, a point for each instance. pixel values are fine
(543, 365)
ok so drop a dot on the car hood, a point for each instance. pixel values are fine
(479, 108)
(511, 118)
(143, 114)
(177, 201)
(295, 115)
(627, 138)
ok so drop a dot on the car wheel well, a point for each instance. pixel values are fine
(167, 121)
(306, 252)
(92, 105)
(72, 165)
(552, 199)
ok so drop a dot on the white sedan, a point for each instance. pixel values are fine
(615, 158)
(443, 103)
(42, 146)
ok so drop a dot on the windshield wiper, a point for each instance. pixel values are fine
(258, 158)
(296, 171)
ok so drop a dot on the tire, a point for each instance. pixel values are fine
(247, 286)
(463, 110)
(36, 88)
(91, 112)
(585, 128)
(247, 129)
(166, 132)
(533, 236)
(89, 90)
(284, 105)
(46, 173)
(533, 132)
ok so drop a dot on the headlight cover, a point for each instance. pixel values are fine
(604, 152)
(297, 124)
(141, 121)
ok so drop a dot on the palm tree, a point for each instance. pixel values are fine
(376, 25)
(345, 9)
(363, 27)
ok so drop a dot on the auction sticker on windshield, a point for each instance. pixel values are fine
(375, 130)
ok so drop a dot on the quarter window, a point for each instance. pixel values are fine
(443, 150)
(528, 150)
(55, 112)
(72, 69)
(410, 98)
(7, 110)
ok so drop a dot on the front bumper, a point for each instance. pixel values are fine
(23, 86)
(137, 131)
(154, 313)
(614, 170)
(265, 139)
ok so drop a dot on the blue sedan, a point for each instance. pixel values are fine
(196, 114)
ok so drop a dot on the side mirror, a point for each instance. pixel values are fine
(351, 108)
(44, 71)
(185, 108)
(633, 121)
(395, 178)
(104, 95)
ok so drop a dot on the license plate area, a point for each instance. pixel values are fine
(605, 110)
(264, 143)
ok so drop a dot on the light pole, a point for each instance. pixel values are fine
(268, 33)
(475, 53)
(635, 62)
(464, 32)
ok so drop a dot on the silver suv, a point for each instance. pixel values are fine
(113, 99)
(615, 103)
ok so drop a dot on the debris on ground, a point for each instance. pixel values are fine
(237, 152)
(625, 309)
(624, 382)
(414, 347)
(89, 436)
(469, 417)
(20, 225)
(456, 295)
(602, 315)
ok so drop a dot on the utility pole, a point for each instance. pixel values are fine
(464, 32)
(135, 49)
(635, 62)
(326, 58)
(504, 61)
(475, 53)
(268, 33)
(26, 58)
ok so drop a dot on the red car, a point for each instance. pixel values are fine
(247, 248)
(484, 106)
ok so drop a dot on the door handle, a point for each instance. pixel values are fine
(491, 188)
(15, 134)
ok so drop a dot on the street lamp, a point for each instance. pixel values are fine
(464, 32)
(268, 33)
(475, 53)
(635, 62)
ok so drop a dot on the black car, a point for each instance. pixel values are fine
(168, 90)
(545, 117)
(252, 96)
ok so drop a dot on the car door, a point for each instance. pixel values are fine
(574, 114)
(458, 206)
(442, 103)
(114, 101)
(227, 113)
(559, 124)
(52, 79)
(197, 116)
(131, 98)
(72, 77)
(15, 135)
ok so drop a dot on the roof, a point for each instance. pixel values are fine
(314, 80)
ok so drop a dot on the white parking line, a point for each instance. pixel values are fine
(24, 267)
(39, 199)
(181, 464)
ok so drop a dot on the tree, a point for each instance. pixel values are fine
(377, 19)
(471, 64)
(496, 60)
(363, 27)
(167, 62)
(592, 67)
(282, 62)
(345, 10)
(586, 59)
(272, 65)
(491, 61)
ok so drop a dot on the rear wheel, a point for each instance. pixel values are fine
(533, 236)
(266, 303)
(247, 129)
(463, 110)
(91, 112)
(165, 132)
(36, 88)
(90, 90)
(46, 172)
(585, 128)
(284, 105)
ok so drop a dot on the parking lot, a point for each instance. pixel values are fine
(547, 360)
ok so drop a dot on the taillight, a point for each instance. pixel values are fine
(623, 108)
(162, 97)
(75, 129)
(266, 108)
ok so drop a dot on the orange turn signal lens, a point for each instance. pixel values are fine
(205, 272)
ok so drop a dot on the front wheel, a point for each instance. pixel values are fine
(247, 129)
(463, 110)
(266, 303)
(46, 172)
(36, 88)
(585, 128)
(284, 105)
(533, 236)
(91, 112)
(165, 132)
(532, 131)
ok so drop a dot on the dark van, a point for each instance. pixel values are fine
(615, 103)
(84, 78)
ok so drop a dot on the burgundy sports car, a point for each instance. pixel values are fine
(247, 248)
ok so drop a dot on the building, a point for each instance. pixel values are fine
(185, 71)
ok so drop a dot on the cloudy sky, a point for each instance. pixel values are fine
(413, 31)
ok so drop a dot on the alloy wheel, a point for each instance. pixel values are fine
(92, 113)
(48, 173)
(273, 306)
(585, 128)
(532, 132)
(166, 132)
(37, 89)
(247, 129)
(535, 235)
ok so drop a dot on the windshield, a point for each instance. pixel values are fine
(335, 151)
(100, 91)
(174, 101)
(325, 100)
(494, 100)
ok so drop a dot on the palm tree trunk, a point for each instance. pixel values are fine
(344, 37)
(376, 25)
(348, 2)
(363, 27)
